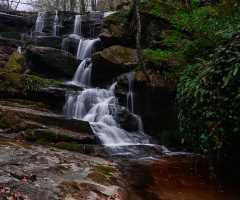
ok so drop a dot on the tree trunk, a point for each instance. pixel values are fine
(72, 5)
(138, 42)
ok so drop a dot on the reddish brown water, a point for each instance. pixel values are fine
(173, 178)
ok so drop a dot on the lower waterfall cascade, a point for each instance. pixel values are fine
(99, 108)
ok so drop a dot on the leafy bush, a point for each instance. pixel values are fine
(209, 101)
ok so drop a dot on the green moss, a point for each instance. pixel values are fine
(49, 136)
(68, 187)
(115, 52)
(103, 175)
(81, 148)
(51, 82)
(71, 184)
(11, 122)
(24, 84)
(161, 8)
(16, 63)
(23, 144)
(116, 18)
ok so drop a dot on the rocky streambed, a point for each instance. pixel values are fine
(39, 166)
(65, 166)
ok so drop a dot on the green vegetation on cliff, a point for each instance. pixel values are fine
(203, 50)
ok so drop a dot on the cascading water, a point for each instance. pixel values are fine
(130, 78)
(100, 108)
(86, 48)
(78, 26)
(65, 44)
(39, 22)
(56, 25)
(83, 74)
(130, 100)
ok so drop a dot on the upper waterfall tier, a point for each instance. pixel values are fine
(39, 23)
(86, 48)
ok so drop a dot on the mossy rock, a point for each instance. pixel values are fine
(119, 55)
(112, 62)
(16, 63)
(103, 175)
(117, 30)
(81, 148)
(22, 85)
(48, 136)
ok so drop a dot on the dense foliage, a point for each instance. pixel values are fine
(207, 54)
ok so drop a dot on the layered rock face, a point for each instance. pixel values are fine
(51, 63)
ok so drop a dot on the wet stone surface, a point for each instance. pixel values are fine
(41, 173)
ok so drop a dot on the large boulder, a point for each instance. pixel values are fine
(51, 63)
(112, 62)
(70, 44)
(7, 48)
(16, 63)
(127, 121)
(115, 32)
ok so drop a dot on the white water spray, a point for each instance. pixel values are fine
(86, 48)
(78, 26)
(82, 76)
(56, 25)
(39, 22)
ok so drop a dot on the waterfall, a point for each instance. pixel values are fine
(130, 78)
(65, 44)
(100, 107)
(39, 22)
(56, 25)
(130, 101)
(78, 26)
(83, 74)
(86, 48)
(22, 37)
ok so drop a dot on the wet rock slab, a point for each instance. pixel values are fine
(48, 118)
(41, 173)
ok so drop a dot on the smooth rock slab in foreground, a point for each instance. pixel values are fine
(42, 173)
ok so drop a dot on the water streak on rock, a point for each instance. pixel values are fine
(56, 25)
